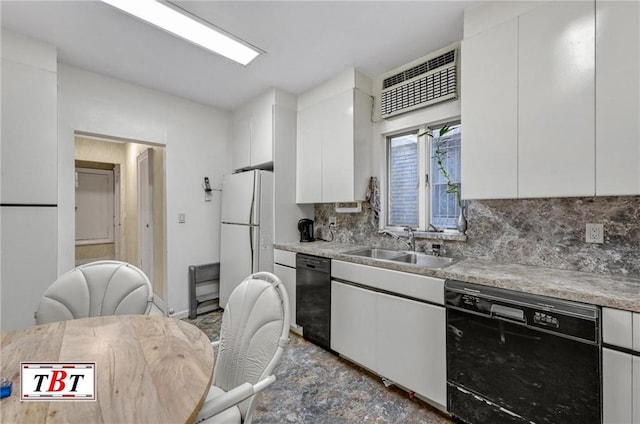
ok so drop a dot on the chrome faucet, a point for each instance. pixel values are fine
(412, 238)
(410, 244)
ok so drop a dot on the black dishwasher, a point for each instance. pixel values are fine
(514, 357)
(313, 298)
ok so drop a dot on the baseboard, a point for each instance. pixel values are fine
(180, 315)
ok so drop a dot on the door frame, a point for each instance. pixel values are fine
(116, 215)
(145, 212)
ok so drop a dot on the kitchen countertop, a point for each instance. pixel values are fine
(614, 291)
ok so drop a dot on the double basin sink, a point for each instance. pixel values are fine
(408, 257)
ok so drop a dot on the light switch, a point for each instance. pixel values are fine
(182, 218)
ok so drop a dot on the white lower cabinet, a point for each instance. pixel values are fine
(288, 277)
(636, 389)
(353, 318)
(617, 382)
(620, 367)
(29, 263)
(411, 345)
(393, 336)
(284, 267)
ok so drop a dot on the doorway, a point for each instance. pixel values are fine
(140, 243)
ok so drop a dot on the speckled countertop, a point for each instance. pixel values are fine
(615, 291)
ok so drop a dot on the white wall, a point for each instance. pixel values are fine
(196, 139)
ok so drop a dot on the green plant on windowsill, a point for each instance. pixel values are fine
(452, 188)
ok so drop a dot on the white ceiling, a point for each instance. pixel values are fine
(306, 42)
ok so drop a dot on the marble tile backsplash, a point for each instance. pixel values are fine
(544, 232)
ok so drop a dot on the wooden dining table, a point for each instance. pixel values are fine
(148, 369)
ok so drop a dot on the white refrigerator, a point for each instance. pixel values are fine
(246, 241)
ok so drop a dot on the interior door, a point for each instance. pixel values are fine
(145, 212)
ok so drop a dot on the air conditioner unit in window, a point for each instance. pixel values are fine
(423, 82)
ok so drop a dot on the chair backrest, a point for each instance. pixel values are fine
(254, 331)
(96, 289)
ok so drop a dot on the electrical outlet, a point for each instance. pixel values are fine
(182, 218)
(594, 233)
(333, 221)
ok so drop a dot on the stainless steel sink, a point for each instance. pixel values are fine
(425, 260)
(375, 253)
(416, 258)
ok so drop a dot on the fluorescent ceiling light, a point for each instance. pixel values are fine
(185, 27)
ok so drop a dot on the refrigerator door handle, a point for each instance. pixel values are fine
(251, 210)
(252, 249)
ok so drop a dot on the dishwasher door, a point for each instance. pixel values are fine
(519, 358)
(313, 298)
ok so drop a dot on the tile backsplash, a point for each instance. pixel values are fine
(545, 232)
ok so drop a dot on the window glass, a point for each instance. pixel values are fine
(444, 205)
(403, 180)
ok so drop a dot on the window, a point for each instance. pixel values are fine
(418, 201)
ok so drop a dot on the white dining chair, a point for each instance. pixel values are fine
(96, 289)
(254, 332)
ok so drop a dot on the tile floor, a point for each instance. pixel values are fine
(316, 387)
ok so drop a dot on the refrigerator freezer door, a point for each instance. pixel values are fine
(238, 257)
(239, 199)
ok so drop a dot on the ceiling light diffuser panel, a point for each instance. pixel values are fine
(187, 28)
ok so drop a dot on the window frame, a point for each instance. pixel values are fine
(425, 172)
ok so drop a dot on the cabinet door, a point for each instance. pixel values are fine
(262, 136)
(241, 136)
(338, 148)
(556, 140)
(617, 98)
(636, 331)
(616, 387)
(617, 327)
(636, 390)
(309, 155)
(29, 135)
(411, 345)
(288, 277)
(353, 323)
(29, 262)
(490, 113)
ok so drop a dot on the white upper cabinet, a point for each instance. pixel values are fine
(241, 148)
(309, 154)
(334, 140)
(556, 153)
(490, 113)
(577, 100)
(617, 98)
(29, 121)
(253, 129)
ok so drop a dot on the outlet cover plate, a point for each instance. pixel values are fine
(594, 233)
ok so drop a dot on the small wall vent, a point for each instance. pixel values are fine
(432, 81)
